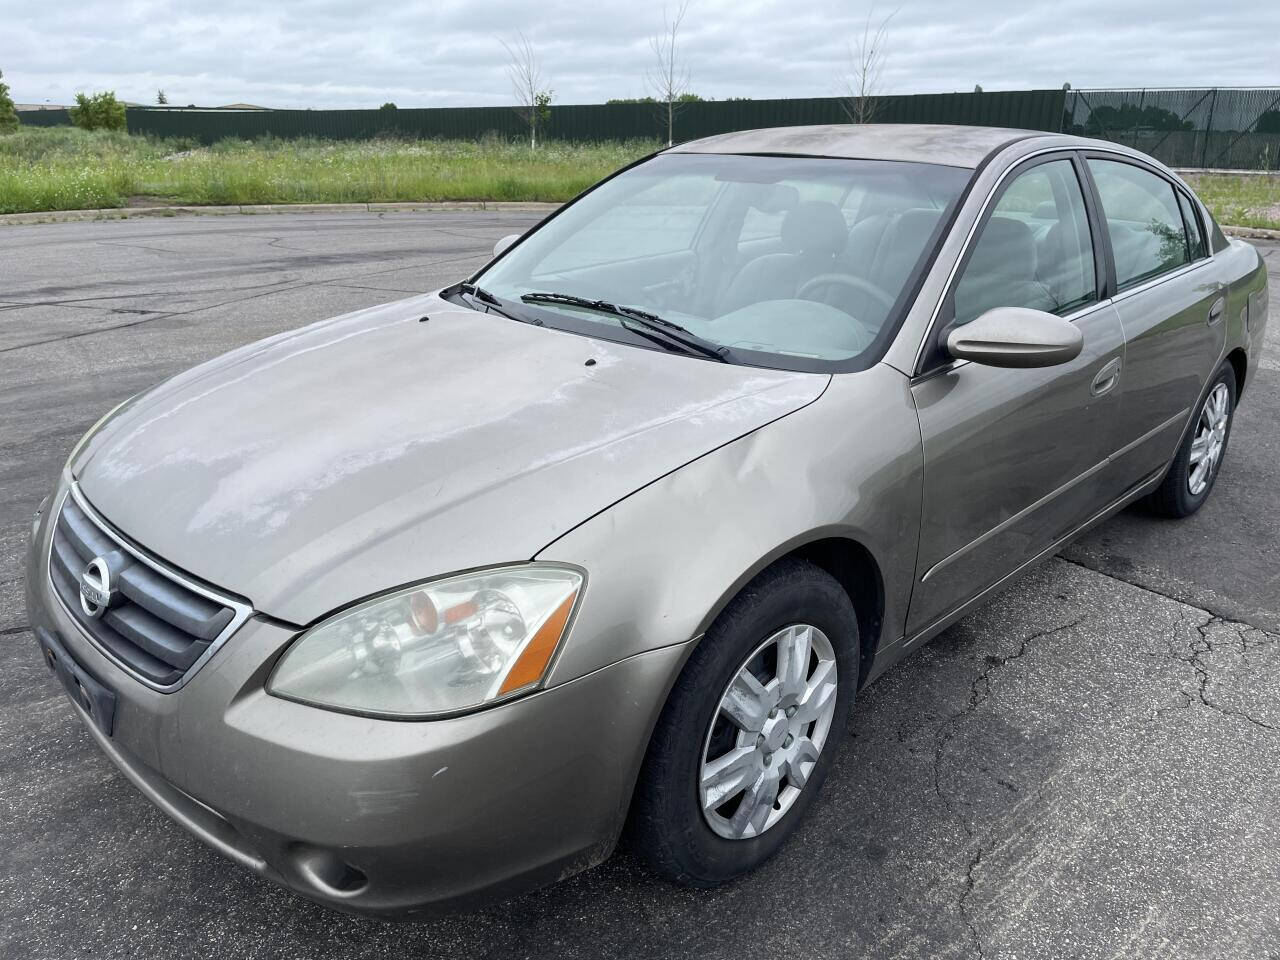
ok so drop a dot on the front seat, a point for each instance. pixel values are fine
(1002, 272)
(814, 234)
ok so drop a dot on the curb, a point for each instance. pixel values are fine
(1252, 233)
(129, 213)
(1214, 171)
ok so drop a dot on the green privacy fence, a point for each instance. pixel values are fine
(1037, 109)
(1213, 127)
(1222, 128)
(607, 121)
(44, 118)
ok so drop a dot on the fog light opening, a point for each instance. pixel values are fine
(85, 700)
(327, 872)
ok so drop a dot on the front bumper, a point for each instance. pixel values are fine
(368, 815)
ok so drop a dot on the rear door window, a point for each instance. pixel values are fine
(1143, 219)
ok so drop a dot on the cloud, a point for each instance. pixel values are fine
(340, 53)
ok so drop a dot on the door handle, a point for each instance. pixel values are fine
(1107, 378)
(1215, 312)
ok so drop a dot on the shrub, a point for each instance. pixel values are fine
(8, 115)
(102, 111)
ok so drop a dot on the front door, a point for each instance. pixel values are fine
(1011, 456)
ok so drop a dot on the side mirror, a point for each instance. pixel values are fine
(500, 247)
(1016, 337)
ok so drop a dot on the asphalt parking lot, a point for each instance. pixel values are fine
(1087, 767)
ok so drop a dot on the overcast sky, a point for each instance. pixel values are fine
(360, 53)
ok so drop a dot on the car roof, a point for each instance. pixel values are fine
(956, 146)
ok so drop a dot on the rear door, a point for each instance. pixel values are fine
(1170, 303)
(1010, 455)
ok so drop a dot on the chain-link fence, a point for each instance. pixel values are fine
(1216, 128)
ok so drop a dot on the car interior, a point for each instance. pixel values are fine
(808, 265)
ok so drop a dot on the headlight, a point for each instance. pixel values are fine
(441, 647)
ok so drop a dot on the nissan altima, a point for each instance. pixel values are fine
(435, 602)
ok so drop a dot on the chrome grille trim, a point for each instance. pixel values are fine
(241, 611)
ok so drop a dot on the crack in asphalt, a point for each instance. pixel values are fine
(279, 287)
(1194, 657)
(1247, 637)
(979, 693)
(141, 246)
(963, 902)
(1195, 605)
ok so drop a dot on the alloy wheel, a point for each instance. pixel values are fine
(1210, 439)
(767, 733)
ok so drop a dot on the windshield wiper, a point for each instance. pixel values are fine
(671, 333)
(481, 295)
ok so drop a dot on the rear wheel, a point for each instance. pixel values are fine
(747, 735)
(1195, 468)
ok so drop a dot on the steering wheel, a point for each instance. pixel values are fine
(846, 280)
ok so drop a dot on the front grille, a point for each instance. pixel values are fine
(157, 625)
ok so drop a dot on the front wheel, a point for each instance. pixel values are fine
(747, 735)
(1195, 467)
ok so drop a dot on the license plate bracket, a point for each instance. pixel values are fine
(88, 693)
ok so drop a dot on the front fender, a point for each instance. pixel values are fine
(665, 560)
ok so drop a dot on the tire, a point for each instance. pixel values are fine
(668, 827)
(1182, 493)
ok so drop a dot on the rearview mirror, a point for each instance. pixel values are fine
(1016, 337)
(504, 243)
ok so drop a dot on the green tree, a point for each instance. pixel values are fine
(161, 99)
(102, 111)
(388, 106)
(8, 115)
(542, 107)
(685, 97)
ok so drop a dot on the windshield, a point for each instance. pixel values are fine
(797, 262)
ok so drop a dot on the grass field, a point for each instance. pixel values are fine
(62, 168)
(1243, 201)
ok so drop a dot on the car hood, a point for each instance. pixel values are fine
(378, 449)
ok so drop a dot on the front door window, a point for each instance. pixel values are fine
(1035, 250)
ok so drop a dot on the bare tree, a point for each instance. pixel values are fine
(669, 78)
(534, 101)
(863, 83)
